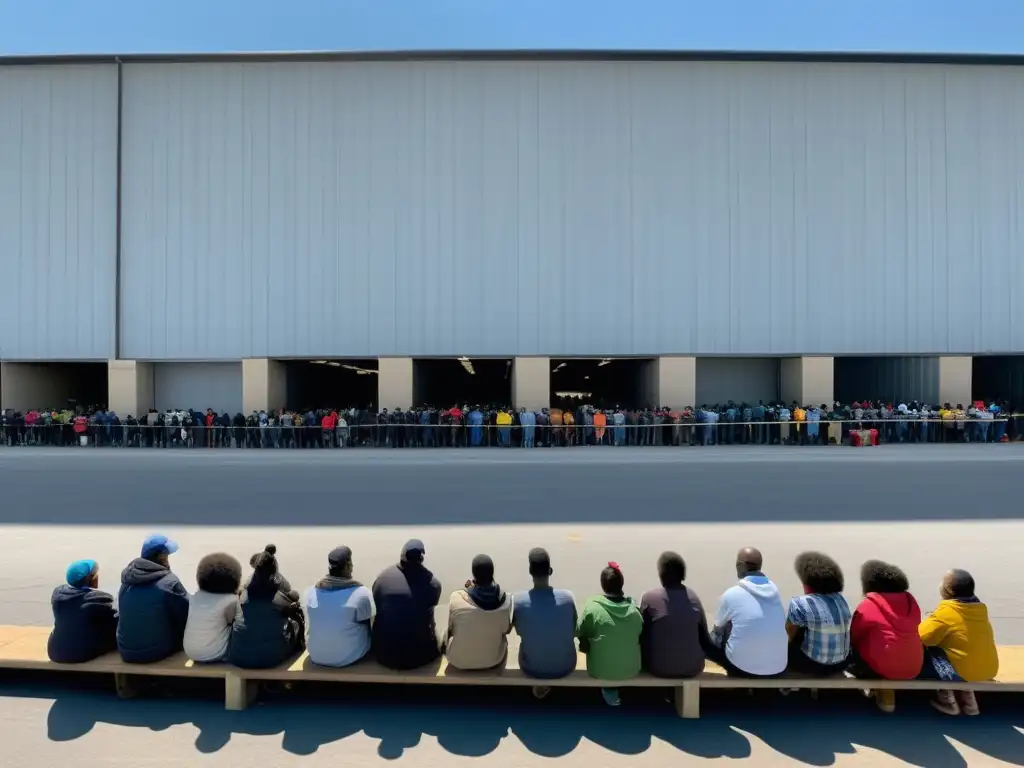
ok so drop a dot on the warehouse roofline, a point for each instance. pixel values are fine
(862, 57)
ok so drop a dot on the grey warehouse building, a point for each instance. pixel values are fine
(187, 229)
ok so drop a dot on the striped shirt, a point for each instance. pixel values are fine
(826, 622)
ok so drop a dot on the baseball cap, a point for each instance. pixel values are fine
(339, 558)
(540, 562)
(413, 551)
(80, 571)
(158, 544)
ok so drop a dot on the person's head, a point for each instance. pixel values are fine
(958, 584)
(882, 577)
(158, 549)
(819, 573)
(612, 581)
(265, 562)
(83, 574)
(540, 564)
(671, 569)
(413, 552)
(483, 570)
(748, 560)
(219, 574)
(339, 562)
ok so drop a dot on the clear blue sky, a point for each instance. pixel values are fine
(135, 26)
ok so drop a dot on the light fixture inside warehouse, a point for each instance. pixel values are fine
(465, 361)
(336, 364)
(558, 367)
(604, 362)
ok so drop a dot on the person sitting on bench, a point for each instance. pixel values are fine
(339, 612)
(405, 595)
(270, 628)
(883, 634)
(479, 620)
(609, 633)
(84, 617)
(153, 605)
(749, 636)
(959, 643)
(675, 628)
(818, 621)
(213, 609)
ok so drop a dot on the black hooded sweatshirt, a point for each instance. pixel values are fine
(154, 609)
(270, 629)
(84, 625)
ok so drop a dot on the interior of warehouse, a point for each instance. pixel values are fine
(338, 383)
(58, 386)
(474, 381)
(998, 377)
(605, 382)
(740, 379)
(887, 379)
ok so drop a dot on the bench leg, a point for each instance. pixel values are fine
(239, 693)
(687, 698)
(125, 686)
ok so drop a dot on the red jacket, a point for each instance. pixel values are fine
(884, 634)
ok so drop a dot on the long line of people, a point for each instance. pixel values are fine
(262, 622)
(476, 426)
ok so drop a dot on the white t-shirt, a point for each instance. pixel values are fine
(337, 625)
(208, 629)
(757, 642)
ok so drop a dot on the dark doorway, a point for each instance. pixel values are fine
(331, 383)
(602, 382)
(477, 381)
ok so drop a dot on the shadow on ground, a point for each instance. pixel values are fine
(218, 488)
(470, 722)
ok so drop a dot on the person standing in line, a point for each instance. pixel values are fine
(609, 632)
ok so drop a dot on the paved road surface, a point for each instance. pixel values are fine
(928, 508)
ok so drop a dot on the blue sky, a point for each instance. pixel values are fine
(150, 26)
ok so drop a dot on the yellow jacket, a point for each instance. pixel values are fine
(503, 419)
(963, 631)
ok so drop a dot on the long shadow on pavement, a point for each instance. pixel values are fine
(206, 489)
(470, 722)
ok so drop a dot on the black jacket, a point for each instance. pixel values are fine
(404, 635)
(270, 629)
(154, 609)
(84, 625)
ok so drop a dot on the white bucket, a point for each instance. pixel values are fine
(83, 440)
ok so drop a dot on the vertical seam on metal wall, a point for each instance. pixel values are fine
(117, 215)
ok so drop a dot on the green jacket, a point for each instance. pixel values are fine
(609, 634)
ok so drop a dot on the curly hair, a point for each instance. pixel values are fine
(879, 576)
(819, 573)
(219, 574)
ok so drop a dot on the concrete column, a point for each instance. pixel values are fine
(674, 382)
(394, 382)
(263, 384)
(808, 380)
(131, 388)
(531, 383)
(956, 380)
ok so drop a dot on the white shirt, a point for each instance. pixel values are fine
(753, 611)
(208, 629)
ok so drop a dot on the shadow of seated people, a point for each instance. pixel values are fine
(367, 669)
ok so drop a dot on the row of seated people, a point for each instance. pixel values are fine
(263, 622)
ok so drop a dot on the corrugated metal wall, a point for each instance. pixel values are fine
(358, 209)
(58, 212)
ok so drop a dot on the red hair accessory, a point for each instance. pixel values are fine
(613, 565)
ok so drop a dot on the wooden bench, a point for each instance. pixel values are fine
(25, 648)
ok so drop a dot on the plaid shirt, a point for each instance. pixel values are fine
(826, 622)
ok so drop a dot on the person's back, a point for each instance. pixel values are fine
(884, 634)
(84, 618)
(961, 628)
(545, 621)
(757, 643)
(611, 629)
(477, 631)
(674, 623)
(153, 609)
(268, 628)
(208, 628)
(405, 595)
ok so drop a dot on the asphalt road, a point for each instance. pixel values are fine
(925, 507)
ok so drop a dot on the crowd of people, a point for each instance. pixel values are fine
(503, 426)
(260, 621)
